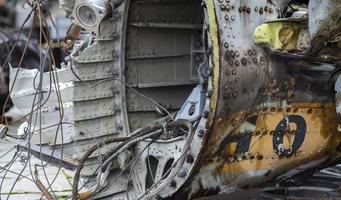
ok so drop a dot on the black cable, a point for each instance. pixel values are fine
(83, 160)
(16, 180)
(36, 115)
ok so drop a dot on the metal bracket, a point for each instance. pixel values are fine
(194, 105)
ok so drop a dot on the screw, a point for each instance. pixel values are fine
(201, 132)
(173, 183)
(209, 94)
(259, 157)
(266, 8)
(182, 174)
(205, 114)
(244, 8)
(244, 61)
(189, 158)
(210, 72)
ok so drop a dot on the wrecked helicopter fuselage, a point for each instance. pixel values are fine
(192, 97)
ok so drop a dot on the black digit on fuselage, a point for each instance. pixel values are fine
(282, 130)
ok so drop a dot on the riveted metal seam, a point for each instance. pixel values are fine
(215, 57)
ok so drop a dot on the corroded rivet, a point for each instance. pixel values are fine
(244, 8)
(205, 114)
(227, 72)
(209, 93)
(266, 8)
(189, 158)
(248, 10)
(240, 9)
(261, 10)
(203, 4)
(244, 61)
(236, 63)
(173, 184)
(201, 132)
(256, 9)
(228, 7)
(259, 157)
(232, 54)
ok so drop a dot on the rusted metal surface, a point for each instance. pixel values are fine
(261, 97)
(271, 142)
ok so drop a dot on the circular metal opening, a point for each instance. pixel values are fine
(87, 16)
